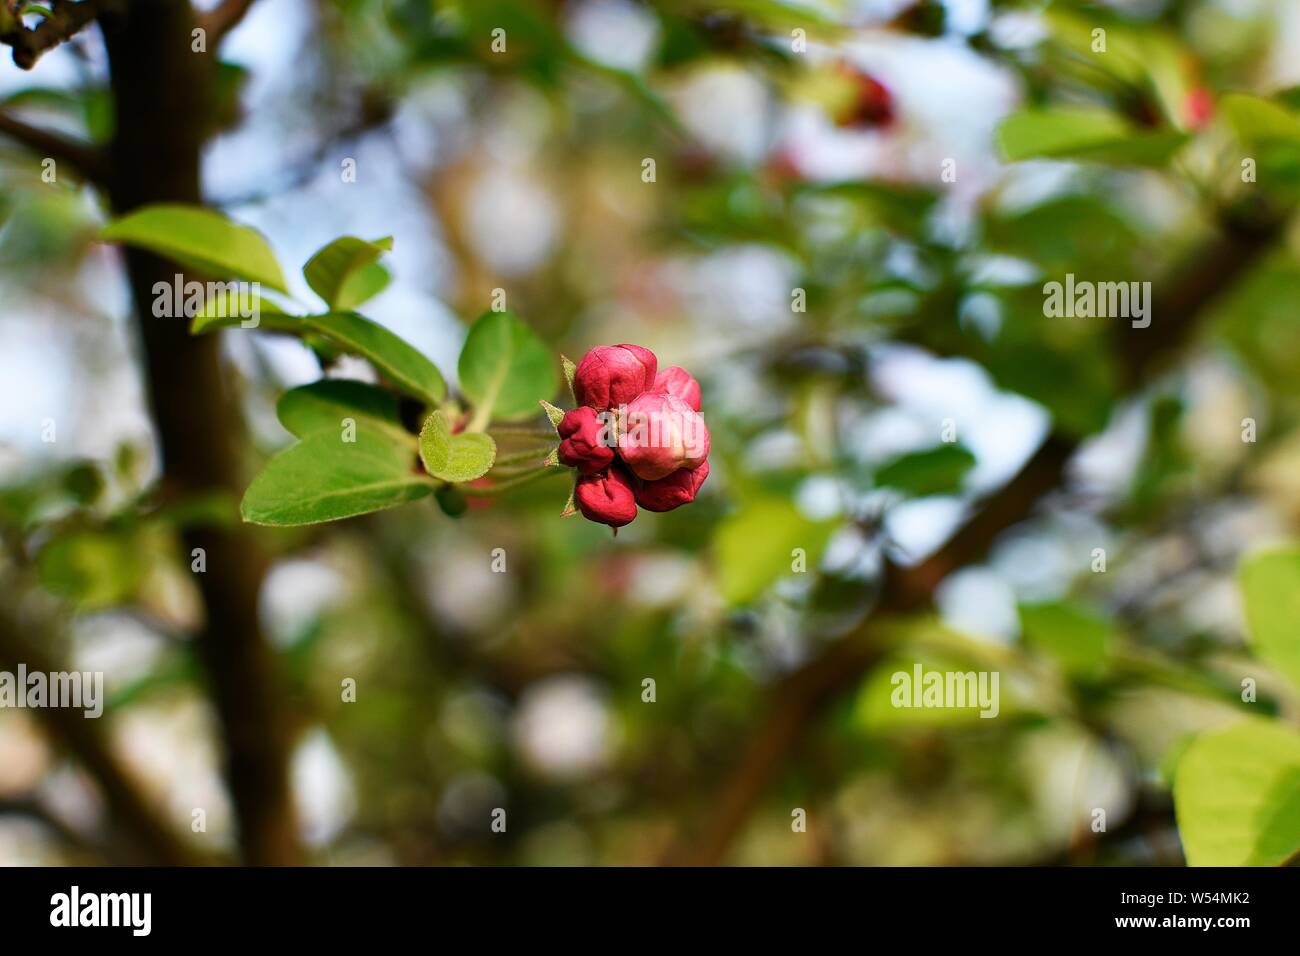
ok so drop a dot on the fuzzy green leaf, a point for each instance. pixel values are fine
(323, 478)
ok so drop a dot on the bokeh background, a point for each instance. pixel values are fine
(775, 170)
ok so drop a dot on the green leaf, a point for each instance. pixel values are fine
(1076, 637)
(505, 368)
(874, 710)
(755, 546)
(392, 355)
(456, 458)
(347, 272)
(224, 310)
(935, 471)
(1237, 796)
(1270, 590)
(388, 352)
(1258, 120)
(198, 237)
(472, 455)
(323, 406)
(435, 442)
(95, 569)
(323, 478)
(1086, 135)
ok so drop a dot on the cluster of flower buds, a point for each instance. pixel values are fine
(636, 438)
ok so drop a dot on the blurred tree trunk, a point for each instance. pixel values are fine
(163, 100)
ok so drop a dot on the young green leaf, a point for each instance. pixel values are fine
(1258, 120)
(435, 442)
(1235, 796)
(1071, 634)
(228, 309)
(323, 478)
(756, 546)
(456, 458)
(327, 405)
(472, 455)
(1270, 590)
(347, 272)
(935, 471)
(1087, 135)
(504, 368)
(198, 237)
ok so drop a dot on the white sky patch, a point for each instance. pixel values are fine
(616, 33)
(295, 593)
(978, 602)
(562, 726)
(513, 222)
(322, 789)
(725, 107)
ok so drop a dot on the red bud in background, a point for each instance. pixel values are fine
(1198, 107)
(612, 375)
(676, 490)
(872, 104)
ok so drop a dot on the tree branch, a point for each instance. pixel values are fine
(163, 100)
(799, 698)
(89, 162)
(66, 20)
(150, 838)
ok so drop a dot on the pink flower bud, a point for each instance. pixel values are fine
(612, 375)
(660, 433)
(678, 381)
(1198, 107)
(871, 104)
(676, 490)
(606, 498)
(585, 445)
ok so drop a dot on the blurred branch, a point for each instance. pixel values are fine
(90, 162)
(223, 18)
(27, 807)
(163, 101)
(65, 20)
(129, 807)
(796, 701)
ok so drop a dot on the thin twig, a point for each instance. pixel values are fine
(64, 21)
(514, 483)
(797, 700)
(85, 159)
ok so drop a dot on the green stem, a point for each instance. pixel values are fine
(521, 432)
(524, 479)
(534, 456)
